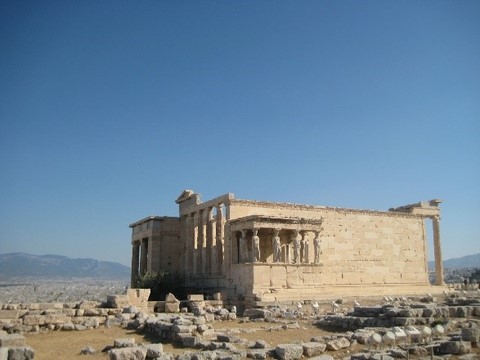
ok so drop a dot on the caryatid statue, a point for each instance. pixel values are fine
(277, 246)
(296, 246)
(256, 245)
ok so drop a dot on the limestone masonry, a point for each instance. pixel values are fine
(256, 251)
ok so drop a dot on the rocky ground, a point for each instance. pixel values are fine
(446, 326)
(281, 332)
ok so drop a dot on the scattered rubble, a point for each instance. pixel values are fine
(399, 328)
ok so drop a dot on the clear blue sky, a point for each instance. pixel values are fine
(109, 109)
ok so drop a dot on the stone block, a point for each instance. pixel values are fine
(204, 355)
(117, 301)
(91, 312)
(323, 357)
(337, 344)
(56, 319)
(455, 347)
(153, 350)
(471, 334)
(51, 311)
(122, 343)
(462, 312)
(33, 320)
(166, 356)
(69, 312)
(183, 321)
(208, 333)
(130, 310)
(257, 354)
(11, 340)
(289, 351)
(3, 353)
(209, 317)
(195, 297)
(171, 298)
(21, 353)
(199, 320)
(202, 328)
(184, 328)
(9, 314)
(88, 304)
(189, 340)
(172, 307)
(130, 353)
(68, 327)
(360, 356)
(311, 349)
(256, 313)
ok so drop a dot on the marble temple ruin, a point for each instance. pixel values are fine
(264, 251)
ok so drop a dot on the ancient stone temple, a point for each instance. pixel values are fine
(262, 251)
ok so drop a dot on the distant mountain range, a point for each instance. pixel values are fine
(461, 262)
(22, 265)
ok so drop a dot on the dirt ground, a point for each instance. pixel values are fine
(62, 345)
(67, 345)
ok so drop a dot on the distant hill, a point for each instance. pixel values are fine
(462, 262)
(22, 265)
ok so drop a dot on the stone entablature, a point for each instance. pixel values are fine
(224, 244)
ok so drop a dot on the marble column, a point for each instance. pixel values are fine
(437, 249)
(203, 240)
(212, 251)
(135, 263)
(220, 240)
(143, 256)
(243, 248)
(185, 236)
(195, 244)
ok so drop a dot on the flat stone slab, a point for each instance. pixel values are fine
(9, 314)
(289, 351)
(312, 349)
(123, 343)
(12, 340)
(130, 353)
(154, 350)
